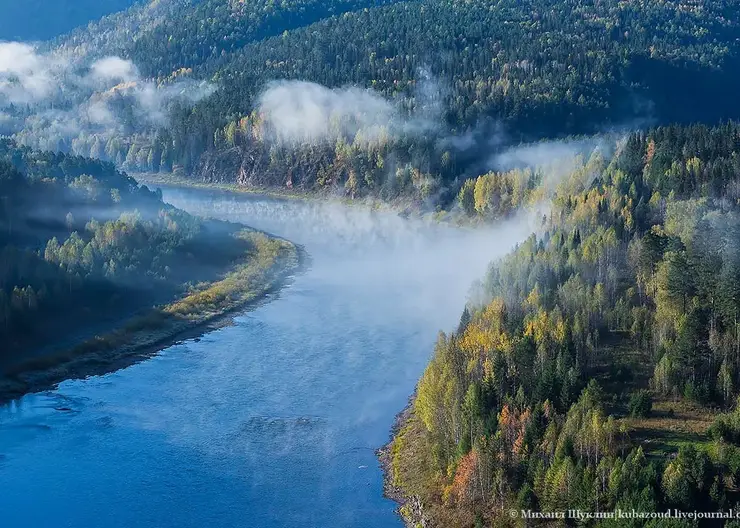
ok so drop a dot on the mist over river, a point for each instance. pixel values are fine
(270, 422)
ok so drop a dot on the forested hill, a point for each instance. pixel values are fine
(603, 372)
(41, 20)
(476, 74)
(83, 247)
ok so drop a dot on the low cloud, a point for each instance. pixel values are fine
(25, 76)
(556, 159)
(545, 153)
(305, 112)
(47, 100)
(114, 68)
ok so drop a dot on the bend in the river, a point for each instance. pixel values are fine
(270, 422)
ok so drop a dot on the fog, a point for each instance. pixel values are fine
(52, 97)
(558, 157)
(431, 267)
(376, 291)
(296, 112)
(300, 112)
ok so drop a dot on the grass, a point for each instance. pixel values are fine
(242, 285)
(623, 369)
(671, 424)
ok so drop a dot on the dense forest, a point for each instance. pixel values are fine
(478, 74)
(603, 371)
(83, 245)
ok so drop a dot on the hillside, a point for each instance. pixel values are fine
(456, 81)
(595, 375)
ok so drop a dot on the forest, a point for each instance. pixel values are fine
(484, 75)
(83, 246)
(603, 371)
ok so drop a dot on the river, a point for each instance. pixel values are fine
(272, 421)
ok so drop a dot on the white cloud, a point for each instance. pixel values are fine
(69, 98)
(25, 76)
(114, 69)
(306, 112)
(299, 111)
(99, 113)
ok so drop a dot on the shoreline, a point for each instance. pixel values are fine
(385, 455)
(170, 180)
(244, 286)
(409, 509)
(376, 204)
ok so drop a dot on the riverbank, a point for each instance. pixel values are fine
(403, 442)
(409, 509)
(263, 269)
(401, 206)
(152, 179)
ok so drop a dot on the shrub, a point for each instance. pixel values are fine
(640, 404)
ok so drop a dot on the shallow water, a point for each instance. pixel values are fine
(270, 422)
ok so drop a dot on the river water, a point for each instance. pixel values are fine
(270, 422)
